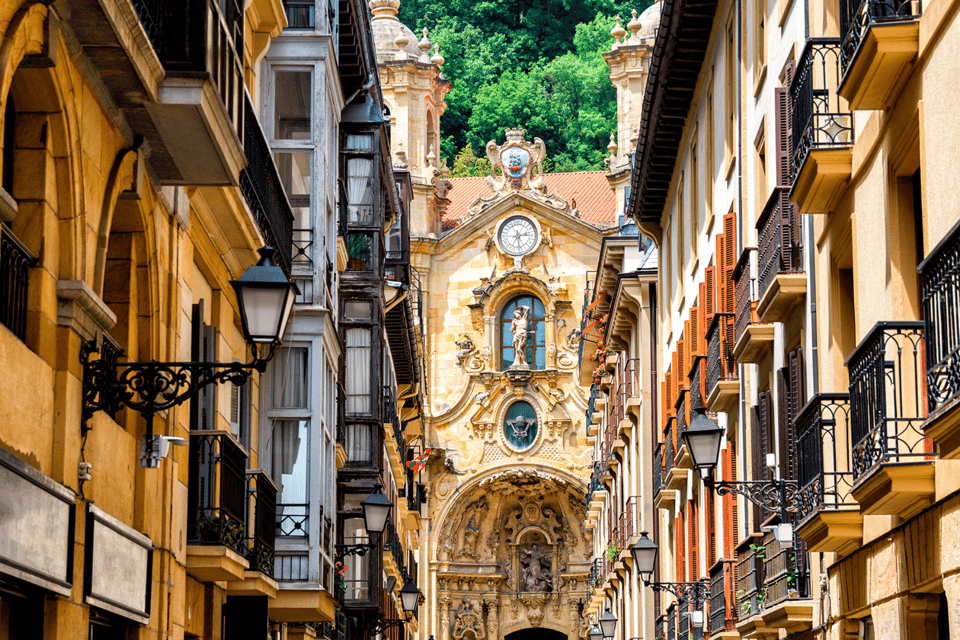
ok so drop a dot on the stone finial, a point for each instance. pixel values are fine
(634, 25)
(431, 158)
(425, 43)
(437, 59)
(444, 169)
(634, 136)
(384, 9)
(618, 33)
(401, 41)
(612, 147)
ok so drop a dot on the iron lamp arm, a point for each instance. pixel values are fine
(775, 496)
(685, 592)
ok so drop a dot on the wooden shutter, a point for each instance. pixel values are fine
(694, 541)
(731, 507)
(728, 263)
(782, 120)
(711, 526)
(757, 429)
(682, 362)
(681, 553)
(663, 404)
(711, 292)
(696, 333)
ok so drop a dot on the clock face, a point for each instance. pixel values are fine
(518, 236)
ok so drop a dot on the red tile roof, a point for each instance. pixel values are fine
(589, 190)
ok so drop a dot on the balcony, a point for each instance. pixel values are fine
(781, 283)
(723, 606)
(628, 395)
(880, 43)
(675, 480)
(261, 538)
(629, 524)
(940, 278)
(683, 458)
(786, 600)
(263, 191)
(829, 519)
(15, 263)
(698, 382)
(751, 339)
(822, 129)
(723, 387)
(893, 469)
(216, 536)
(658, 472)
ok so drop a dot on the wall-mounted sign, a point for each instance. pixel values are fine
(118, 567)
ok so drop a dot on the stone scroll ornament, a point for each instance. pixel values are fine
(469, 619)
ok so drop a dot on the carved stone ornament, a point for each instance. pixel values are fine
(534, 603)
(469, 620)
(469, 357)
(517, 166)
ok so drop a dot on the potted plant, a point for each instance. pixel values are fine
(358, 251)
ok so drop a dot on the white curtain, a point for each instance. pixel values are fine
(359, 190)
(290, 378)
(357, 385)
(290, 460)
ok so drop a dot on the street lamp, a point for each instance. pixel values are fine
(595, 633)
(410, 597)
(645, 553)
(265, 297)
(703, 440)
(608, 624)
(376, 509)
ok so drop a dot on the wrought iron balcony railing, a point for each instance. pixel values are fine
(263, 191)
(786, 576)
(668, 447)
(697, 382)
(218, 490)
(821, 120)
(341, 415)
(261, 521)
(293, 520)
(391, 544)
(672, 622)
(628, 526)
(750, 577)
(303, 247)
(779, 231)
(723, 606)
(681, 407)
(824, 471)
(721, 364)
(888, 397)
(15, 263)
(940, 277)
(200, 36)
(858, 16)
(745, 293)
(658, 472)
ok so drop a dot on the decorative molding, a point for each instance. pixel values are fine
(82, 310)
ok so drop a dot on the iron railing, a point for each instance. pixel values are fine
(261, 521)
(888, 402)
(341, 415)
(857, 17)
(15, 263)
(723, 607)
(785, 573)
(720, 362)
(778, 230)
(218, 490)
(750, 577)
(697, 382)
(672, 622)
(824, 472)
(821, 119)
(940, 278)
(629, 521)
(681, 407)
(668, 447)
(291, 565)
(301, 14)
(391, 544)
(745, 293)
(658, 469)
(596, 575)
(293, 519)
(263, 191)
(200, 36)
(303, 247)
(658, 629)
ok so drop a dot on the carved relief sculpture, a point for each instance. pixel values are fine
(535, 570)
(493, 623)
(469, 620)
(465, 347)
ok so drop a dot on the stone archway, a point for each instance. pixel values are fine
(534, 633)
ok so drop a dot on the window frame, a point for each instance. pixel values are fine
(531, 330)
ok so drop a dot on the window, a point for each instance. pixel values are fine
(294, 169)
(730, 98)
(292, 105)
(288, 417)
(358, 360)
(520, 425)
(360, 191)
(532, 308)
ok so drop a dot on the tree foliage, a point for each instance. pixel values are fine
(525, 64)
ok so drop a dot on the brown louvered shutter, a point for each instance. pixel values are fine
(663, 404)
(681, 367)
(782, 99)
(785, 454)
(729, 262)
(668, 396)
(711, 290)
(696, 333)
(733, 507)
(710, 521)
(681, 548)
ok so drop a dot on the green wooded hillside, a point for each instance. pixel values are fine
(534, 64)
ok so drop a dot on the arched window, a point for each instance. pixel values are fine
(536, 332)
(520, 425)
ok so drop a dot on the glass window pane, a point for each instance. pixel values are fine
(360, 191)
(359, 441)
(290, 460)
(295, 175)
(292, 105)
(289, 379)
(357, 384)
(357, 310)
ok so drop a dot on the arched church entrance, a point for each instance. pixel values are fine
(536, 634)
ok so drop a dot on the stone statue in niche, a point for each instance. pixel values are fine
(518, 328)
(535, 569)
(465, 348)
(470, 536)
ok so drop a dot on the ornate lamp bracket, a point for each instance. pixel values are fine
(776, 496)
(685, 592)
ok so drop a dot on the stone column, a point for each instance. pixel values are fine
(951, 585)
(493, 618)
(575, 621)
(444, 602)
